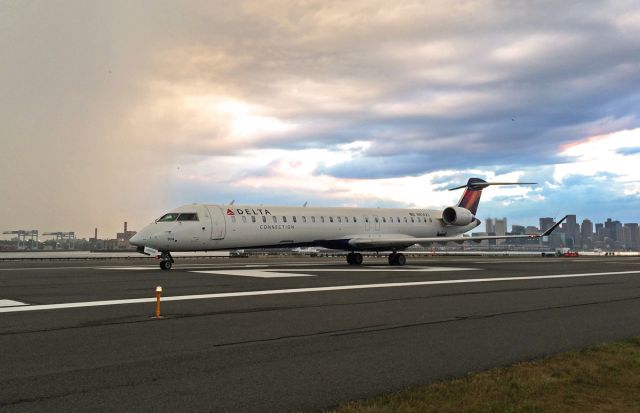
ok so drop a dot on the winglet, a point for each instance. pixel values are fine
(556, 225)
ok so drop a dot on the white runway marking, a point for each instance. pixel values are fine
(275, 272)
(254, 273)
(304, 290)
(11, 303)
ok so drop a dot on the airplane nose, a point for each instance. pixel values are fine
(136, 240)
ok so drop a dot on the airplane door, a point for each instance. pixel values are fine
(218, 223)
(367, 224)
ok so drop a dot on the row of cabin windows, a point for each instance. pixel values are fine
(294, 219)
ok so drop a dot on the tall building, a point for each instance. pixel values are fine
(501, 229)
(586, 232)
(490, 226)
(633, 241)
(571, 231)
(517, 229)
(599, 232)
(613, 229)
(546, 223)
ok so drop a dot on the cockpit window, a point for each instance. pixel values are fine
(171, 216)
(190, 216)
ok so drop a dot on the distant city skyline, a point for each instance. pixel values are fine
(118, 112)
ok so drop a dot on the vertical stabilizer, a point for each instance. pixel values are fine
(473, 189)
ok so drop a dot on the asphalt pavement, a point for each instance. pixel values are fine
(293, 333)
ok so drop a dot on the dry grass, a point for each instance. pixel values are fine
(605, 378)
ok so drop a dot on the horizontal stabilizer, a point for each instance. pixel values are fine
(480, 184)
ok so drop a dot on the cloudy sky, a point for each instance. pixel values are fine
(119, 110)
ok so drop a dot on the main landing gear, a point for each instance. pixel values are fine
(397, 258)
(354, 258)
(166, 260)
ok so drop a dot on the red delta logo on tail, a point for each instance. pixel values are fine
(471, 196)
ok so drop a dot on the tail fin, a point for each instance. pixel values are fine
(471, 196)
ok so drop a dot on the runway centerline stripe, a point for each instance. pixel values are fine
(303, 290)
(276, 273)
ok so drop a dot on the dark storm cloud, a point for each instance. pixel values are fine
(102, 101)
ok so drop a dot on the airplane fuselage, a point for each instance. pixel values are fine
(219, 227)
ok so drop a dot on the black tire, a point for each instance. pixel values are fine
(165, 264)
(400, 259)
(350, 258)
(357, 258)
(392, 258)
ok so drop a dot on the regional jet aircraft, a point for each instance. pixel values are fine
(199, 227)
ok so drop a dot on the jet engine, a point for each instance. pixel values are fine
(457, 216)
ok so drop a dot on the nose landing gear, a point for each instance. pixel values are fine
(166, 260)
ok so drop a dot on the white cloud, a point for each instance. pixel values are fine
(600, 155)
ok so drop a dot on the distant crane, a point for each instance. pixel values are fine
(22, 237)
(68, 238)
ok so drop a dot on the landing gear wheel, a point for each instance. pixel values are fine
(397, 258)
(166, 260)
(354, 258)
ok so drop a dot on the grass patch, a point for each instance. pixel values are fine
(604, 378)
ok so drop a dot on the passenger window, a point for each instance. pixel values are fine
(244, 219)
(330, 219)
(346, 219)
(322, 219)
(366, 219)
(284, 219)
(264, 219)
(339, 220)
(304, 219)
(275, 219)
(313, 220)
(294, 219)
(398, 219)
(253, 218)
(355, 219)
(384, 219)
(412, 219)
(172, 216)
(405, 219)
(376, 219)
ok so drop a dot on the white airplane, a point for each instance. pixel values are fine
(199, 227)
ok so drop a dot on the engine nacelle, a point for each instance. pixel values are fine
(457, 216)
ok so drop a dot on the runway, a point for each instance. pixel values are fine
(291, 333)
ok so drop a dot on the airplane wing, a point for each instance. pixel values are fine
(374, 243)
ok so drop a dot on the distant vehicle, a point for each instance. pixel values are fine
(566, 252)
(200, 227)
